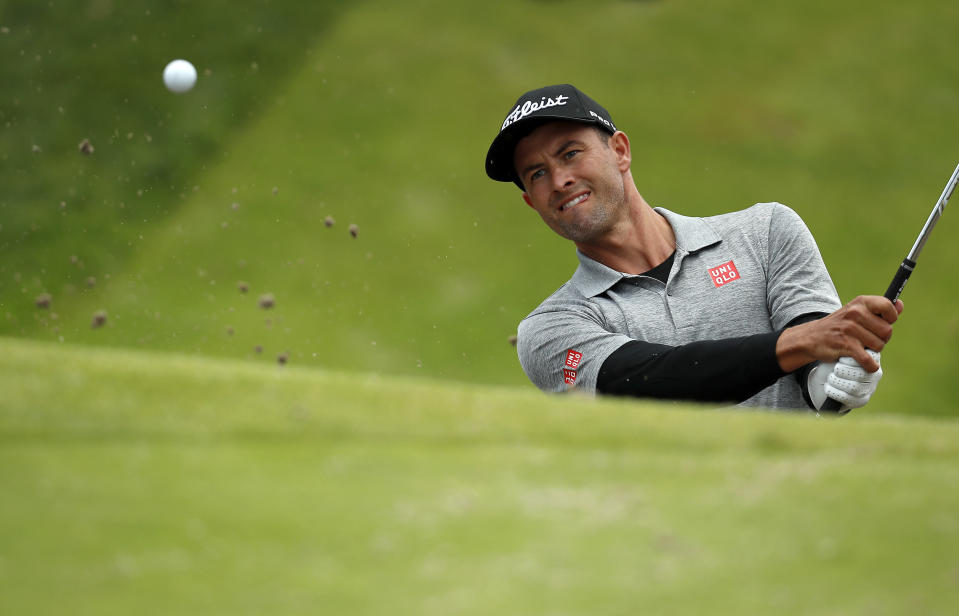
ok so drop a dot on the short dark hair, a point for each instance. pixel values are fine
(604, 135)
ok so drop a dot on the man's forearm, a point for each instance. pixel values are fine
(727, 370)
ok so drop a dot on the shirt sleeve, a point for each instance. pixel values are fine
(797, 280)
(564, 346)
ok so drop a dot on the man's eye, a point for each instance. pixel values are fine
(571, 154)
(537, 174)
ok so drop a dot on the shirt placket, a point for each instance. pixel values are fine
(653, 290)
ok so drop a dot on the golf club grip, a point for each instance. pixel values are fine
(832, 406)
(899, 280)
(892, 294)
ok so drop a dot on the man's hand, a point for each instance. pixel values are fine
(844, 381)
(862, 324)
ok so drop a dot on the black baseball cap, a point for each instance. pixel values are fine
(560, 102)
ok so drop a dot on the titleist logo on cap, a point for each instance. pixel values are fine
(527, 107)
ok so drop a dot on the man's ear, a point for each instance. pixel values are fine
(619, 143)
(528, 201)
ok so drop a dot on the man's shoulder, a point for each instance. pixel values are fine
(567, 297)
(760, 222)
(757, 216)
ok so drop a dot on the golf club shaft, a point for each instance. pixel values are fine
(909, 263)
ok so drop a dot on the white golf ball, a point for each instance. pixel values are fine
(179, 76)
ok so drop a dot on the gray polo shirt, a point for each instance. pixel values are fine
(736, 274)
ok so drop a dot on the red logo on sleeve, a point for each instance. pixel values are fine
(723, 274)
(570, 365)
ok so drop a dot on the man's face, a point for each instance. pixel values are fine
(573, 179)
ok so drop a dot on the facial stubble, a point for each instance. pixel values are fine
(607, 203)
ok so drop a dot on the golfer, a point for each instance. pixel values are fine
(735, 308)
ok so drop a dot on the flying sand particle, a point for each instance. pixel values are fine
(328, 221)
(86, 147)
(266, 301)
(282, 358)
(99, 319)
(243, 287)
(43, 300)
(354, 230)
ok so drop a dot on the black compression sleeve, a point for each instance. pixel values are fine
(728, 370)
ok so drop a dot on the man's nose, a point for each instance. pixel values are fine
(562, 178)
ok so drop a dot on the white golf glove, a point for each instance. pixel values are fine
(844, 381)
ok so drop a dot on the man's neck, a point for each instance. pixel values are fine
(637, 244)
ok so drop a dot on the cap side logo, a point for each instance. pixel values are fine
(603, 120)
(530, 107)
(723, 274)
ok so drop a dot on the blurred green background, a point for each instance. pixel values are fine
(379, 114)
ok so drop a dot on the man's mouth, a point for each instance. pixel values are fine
(574, 201)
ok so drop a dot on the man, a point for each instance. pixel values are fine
(732, 308)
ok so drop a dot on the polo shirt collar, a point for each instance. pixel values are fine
(692, 234)
(593, 278)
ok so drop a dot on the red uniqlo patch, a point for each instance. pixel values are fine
(723, 274)
(569, 376)
(573, 358)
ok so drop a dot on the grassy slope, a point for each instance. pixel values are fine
(149, 483)
(383, 121)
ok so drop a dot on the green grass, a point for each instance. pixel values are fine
(151, 483)
(379, 113)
